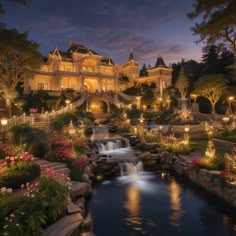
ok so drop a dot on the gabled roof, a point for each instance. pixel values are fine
(80, 48)
(107, 61)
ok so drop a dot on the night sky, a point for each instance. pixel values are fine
(110, 27)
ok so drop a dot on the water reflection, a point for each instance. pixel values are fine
(133, 206)
(175, 203)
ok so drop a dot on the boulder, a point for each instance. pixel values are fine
(66, 226)
(78, 189)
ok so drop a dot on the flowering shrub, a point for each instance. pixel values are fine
(42, 203)
(17, 170)
(80, 163)
(79, 145)
(60, 151)
(226, 175)
(199, 162)
(9, 150)
(78, 167)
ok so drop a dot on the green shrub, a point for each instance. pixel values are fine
(39, 149)
(42, 204)
(75, 174)
(14, 178)
(59, 122)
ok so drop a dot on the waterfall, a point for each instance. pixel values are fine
(112, 145)
(130, 168)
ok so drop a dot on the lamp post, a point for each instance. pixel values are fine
(4, 122)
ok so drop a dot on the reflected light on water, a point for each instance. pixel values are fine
(133, 206)
(175, 203)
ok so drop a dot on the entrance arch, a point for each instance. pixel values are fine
(91, 85)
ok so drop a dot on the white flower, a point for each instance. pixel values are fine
(5, 226)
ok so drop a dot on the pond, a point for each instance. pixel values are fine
(158, 204)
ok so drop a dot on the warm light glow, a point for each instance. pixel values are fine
(186, 129)
(175, 203)
(225, 119)
(67, 101)
(231, 98)
(133, 205)
(4, 121)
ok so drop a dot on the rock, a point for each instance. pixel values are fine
(78, 189)
(85, 178)
(66, 226)
(80, 202)
(87, 224)
(72, 208)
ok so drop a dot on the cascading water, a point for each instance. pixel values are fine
(112, 145)
(130, 168)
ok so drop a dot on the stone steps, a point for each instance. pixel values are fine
(61, 168)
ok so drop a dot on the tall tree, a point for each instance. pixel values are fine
(182, 83)
(211, 87)
(218, 21)
(18, 58)
(2, 9)
(210, 59)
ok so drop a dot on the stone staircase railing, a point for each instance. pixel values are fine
(33, 119)
(127, 97)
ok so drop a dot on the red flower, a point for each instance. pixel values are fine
(224, 174)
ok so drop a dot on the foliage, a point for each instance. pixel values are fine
(217, 21)
(78, 167)
(150, 137)
(62, 120)
(182, 83)
(215, 89)
(42, 203)
(18, 57)
(9, 150)
(39, 149)
(17, 170)
(211, 59)
(216, 163)
(79, 145)
(148, 98)
(60, 151)
(2, 9)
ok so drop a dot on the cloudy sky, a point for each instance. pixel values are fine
(110, 27)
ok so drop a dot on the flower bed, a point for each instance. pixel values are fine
(17, 170)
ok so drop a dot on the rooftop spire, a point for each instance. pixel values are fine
(160, 62)
(131, 55)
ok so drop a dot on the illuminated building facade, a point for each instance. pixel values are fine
(80, 68)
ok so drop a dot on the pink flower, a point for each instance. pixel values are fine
(22, 186)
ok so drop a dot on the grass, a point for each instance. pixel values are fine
(201, 145)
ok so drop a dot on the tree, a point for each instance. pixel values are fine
(218, 21)
(18, 58)
(182, 83)
(210, 59)
(211, 87)
(2, 9)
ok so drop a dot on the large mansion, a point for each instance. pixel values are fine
(81, 68)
